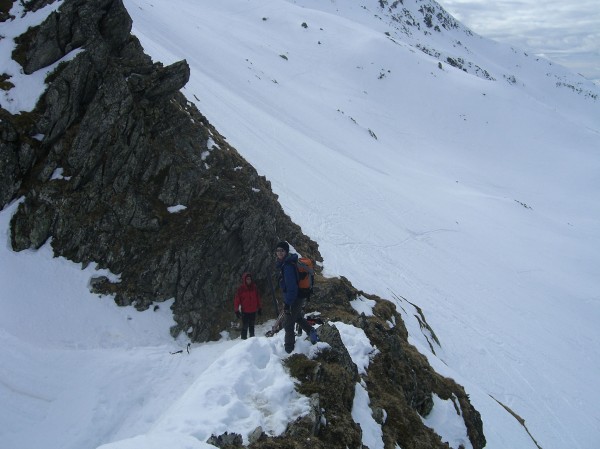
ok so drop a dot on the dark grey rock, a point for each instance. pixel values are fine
(226, 440)
(14, 160)
(338, 352)
(256, 435)
(130, 145)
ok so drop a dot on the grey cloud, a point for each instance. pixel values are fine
(565, 32)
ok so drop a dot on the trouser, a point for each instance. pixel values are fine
(295, 316)
(248, 320)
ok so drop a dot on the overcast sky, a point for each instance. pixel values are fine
(564, 31)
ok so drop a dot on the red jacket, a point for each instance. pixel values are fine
(246, 297)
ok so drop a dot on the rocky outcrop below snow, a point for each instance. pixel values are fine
(117, 168)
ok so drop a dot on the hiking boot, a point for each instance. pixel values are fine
(314, 338)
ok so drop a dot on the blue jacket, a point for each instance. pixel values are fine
(289, 278)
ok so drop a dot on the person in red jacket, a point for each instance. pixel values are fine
(247, 304)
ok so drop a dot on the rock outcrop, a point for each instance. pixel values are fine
(129, 146)
(118, 169)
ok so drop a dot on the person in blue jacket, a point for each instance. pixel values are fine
(288, 281)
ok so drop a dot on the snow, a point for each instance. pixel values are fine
(86, 373)
(363, 305)
(475, 200)
(176, 208)
(238, 400)
(359, 347)
(58, 174)
(27, 88)
(446, 418)
(158, 441)
(211, 145)
(372, 436)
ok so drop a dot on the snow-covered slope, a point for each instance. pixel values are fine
(472, 193)
(475, 198)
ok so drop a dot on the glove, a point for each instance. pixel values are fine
(259, 312)
(238, 314)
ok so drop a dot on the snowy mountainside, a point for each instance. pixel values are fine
(465, 198)
(63, 189)
(472, 196)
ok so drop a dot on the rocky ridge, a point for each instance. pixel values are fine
(117, 168)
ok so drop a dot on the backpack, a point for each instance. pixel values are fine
(305, 274)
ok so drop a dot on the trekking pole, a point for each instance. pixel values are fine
(269, 276)
(280, 315)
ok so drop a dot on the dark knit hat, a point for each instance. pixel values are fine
(283, 245)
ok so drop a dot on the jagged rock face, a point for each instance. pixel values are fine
(130, 146)
(399, 379)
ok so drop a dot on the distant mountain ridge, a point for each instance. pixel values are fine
(428, 27)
